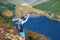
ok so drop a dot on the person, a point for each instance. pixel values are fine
(18, 23)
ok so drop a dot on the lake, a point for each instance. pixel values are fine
(45, 26)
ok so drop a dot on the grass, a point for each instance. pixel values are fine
(52, 5)
(3, 8)
(8, 6)
(4, 21)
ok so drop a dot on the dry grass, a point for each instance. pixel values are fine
(12, 33)
(8, 13)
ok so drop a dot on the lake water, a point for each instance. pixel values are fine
(45, 26)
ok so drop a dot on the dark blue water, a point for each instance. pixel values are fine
(44, 25)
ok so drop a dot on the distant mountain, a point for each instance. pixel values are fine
(12, 1)
(52, 6)
(31, 2)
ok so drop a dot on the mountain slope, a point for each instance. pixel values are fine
(52, 6)
(7, 33)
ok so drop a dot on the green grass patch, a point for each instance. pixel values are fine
(52, 5)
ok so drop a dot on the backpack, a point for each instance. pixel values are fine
(19, 26)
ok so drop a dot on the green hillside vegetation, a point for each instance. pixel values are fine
(4, 7)
(52, 5)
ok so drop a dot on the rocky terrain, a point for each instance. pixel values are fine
(11, 33)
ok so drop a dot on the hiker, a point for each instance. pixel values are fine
(18, 23)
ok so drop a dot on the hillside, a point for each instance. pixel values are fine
(7, 30)
(45, 9)
(31, 2)
(51, 5)
(7, 9)
(11, 33)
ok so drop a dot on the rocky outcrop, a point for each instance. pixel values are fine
(11, 33)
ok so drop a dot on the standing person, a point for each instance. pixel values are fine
(18, 22)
